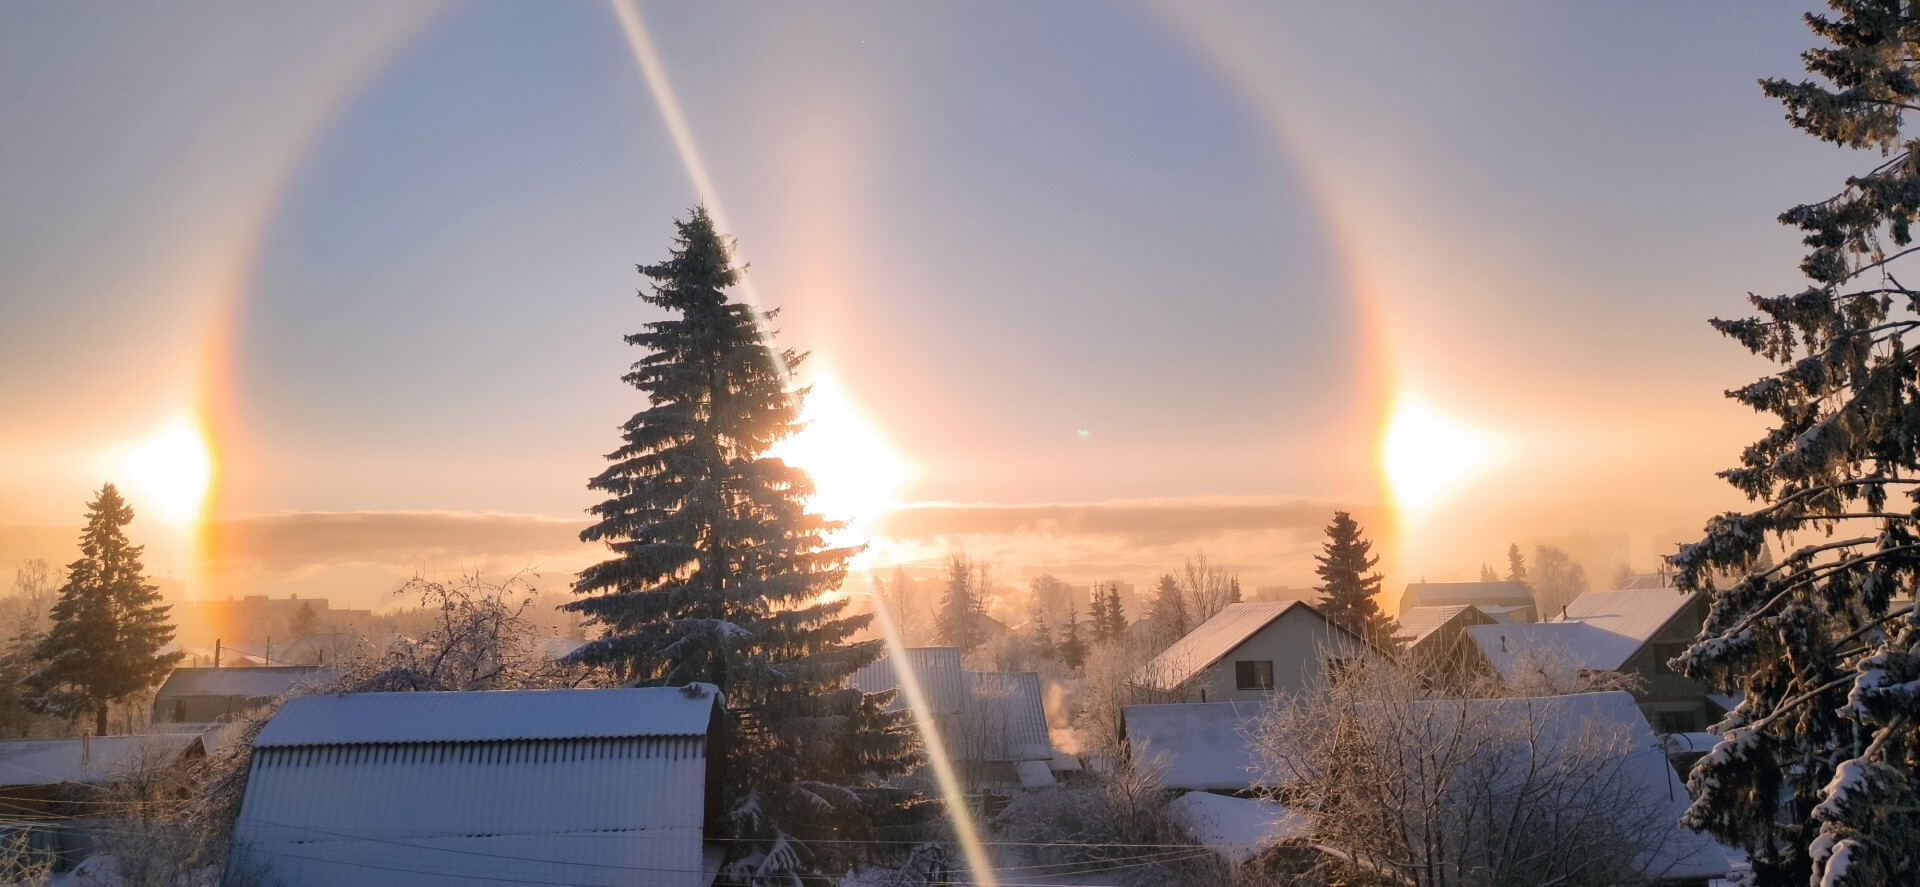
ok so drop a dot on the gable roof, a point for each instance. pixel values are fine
(1010, 701)
(1416, 624)
(1214, 639)
(1637, 613)
(1600, 632)
(1428, 594)
(1202, 746)
(246, 682)
(490, 716)
(936, 668)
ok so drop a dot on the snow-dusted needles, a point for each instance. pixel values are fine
(655, 76)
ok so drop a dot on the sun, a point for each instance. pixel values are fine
(169, 471)
(857, 474)
(1426, 456)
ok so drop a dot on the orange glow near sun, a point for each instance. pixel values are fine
(856, 471)
(168, 472)
(1426, 456)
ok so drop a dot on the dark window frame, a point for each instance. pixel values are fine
(1248, 674)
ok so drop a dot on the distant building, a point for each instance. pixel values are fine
(588, 787)
(993, 723)
(1513, 600)
(1632, 631)
(1250, 651)
(1436, 638)
(248, 623)
(196, 695)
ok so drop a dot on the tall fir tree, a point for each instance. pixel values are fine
(1516, 564)
(1348, 588)
(1824, 662)
(961, 609)
(109, 626)
(1073, 648)
(1168, 611)
(720, 574)
(1116, 616)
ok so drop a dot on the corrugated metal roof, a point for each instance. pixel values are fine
(1215, 638)
(245, 682)
(490, 715)
(1198, 745)
(54, 761)
(593, 811)
(936, 668)
(1010, 702)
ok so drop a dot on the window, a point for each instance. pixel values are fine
(1253, 674)
(1677, 721)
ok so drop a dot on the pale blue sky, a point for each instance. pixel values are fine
(1000, 224)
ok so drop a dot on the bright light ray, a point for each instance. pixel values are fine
(656, 79)
(856, 472)
(1427, 456)
(169, 472)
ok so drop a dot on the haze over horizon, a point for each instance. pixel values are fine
(362, 273)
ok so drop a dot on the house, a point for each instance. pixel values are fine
(935, 669)
(1436, 638)
(1630, 631)
(1196, 746)
(1511, 600)
(993, 724)
(1250, 651)
(587, 787)
(200, 695)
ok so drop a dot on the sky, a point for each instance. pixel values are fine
(1088, 288)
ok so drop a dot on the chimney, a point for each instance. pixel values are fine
(1503, 644)
(86, 748)
(216, 652)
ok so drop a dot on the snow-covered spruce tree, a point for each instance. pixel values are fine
(1828, 667)
(719, 574)
(108, 625)
(1347, 588)
(961, 607)
(1168, 612)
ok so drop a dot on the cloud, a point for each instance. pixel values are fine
(298, 542)
(1269, 540)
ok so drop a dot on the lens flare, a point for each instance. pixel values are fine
(1427, 456)
(856, 472)
(169, 471)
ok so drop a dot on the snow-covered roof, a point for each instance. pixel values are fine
(1600, 632)
(1637, 614)
(936, 668)
(1428, 594)
(1034, 774)
(489, 715)
(1010, 701)
(1555, 721)
(1212, 641)
(585, 787)
(1416, 624)
(250, 683)
(55, 761)
(1514, 648)
(1198, 745)
(1504, 613)
(1237, 828)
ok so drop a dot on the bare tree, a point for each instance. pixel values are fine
(1477, 791)
(1209, 588)
(1116, 830)
(477, 635)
